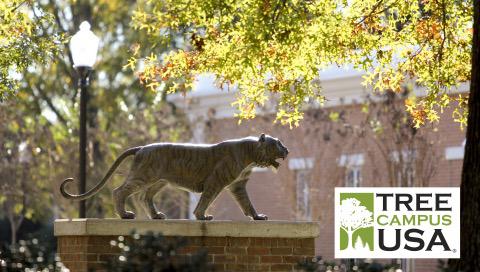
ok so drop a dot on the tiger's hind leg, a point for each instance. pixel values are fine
(120, 195)
(150, 203)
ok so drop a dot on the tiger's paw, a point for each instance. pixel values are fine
(127, 215)
(205, 217)
(260, 217)
(159, 215)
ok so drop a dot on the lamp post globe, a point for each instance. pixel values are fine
(83, 47)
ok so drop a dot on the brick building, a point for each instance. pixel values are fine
(325, 154)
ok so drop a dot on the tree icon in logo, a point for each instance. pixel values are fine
(356, 220)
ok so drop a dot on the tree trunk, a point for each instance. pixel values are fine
(470, 187)
(13, 232)
(14, 226)
(349, 240)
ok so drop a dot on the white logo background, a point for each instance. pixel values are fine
(451, 232)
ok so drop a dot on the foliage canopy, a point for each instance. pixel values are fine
(22, 41)
(265, 47)
(43, 114)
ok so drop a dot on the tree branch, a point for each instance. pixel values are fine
(375, 12)
(56, 12)
(18, 6)
(442, 45)
(52, 107)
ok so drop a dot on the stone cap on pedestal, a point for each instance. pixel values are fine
(216, 228)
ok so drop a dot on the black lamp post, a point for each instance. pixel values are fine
(84, 47)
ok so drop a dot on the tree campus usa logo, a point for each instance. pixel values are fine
(380, 222)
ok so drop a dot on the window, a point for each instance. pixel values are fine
(302, 178)
(353, 176)
(302, 168)
(353, 168)
(404, 166)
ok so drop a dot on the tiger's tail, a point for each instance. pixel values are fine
(94, 190)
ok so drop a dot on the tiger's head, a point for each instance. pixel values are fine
(269, 150)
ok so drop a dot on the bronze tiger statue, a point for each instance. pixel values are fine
(199, 168)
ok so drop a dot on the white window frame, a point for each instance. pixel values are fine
(455, 152)
(353, 168)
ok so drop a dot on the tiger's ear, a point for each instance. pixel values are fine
(261, 138)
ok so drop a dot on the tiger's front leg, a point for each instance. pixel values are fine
(206, 199)
(212, 186)
(239, 192)
(211, 190)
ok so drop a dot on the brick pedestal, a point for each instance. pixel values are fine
(84, 244)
